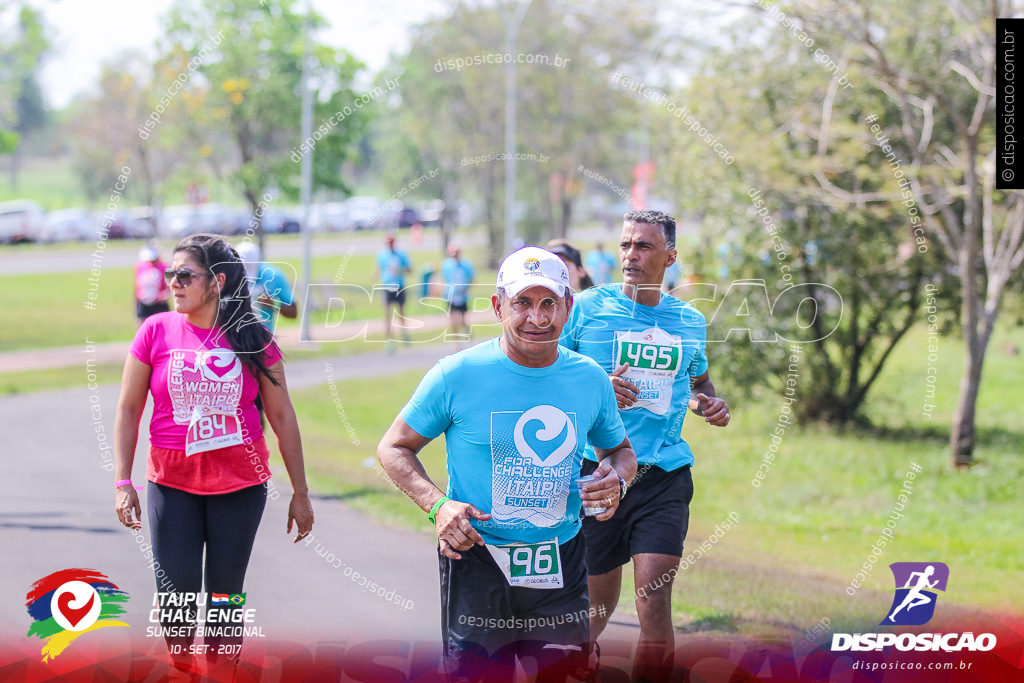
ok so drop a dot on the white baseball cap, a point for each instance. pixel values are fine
(248, 252)
(532, 266)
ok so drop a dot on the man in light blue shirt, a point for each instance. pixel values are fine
(458, 275)
(392, 267)
(516, 412)
(268, 287)
(600, 265)
(652, 346)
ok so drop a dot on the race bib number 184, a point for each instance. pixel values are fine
(210, 429)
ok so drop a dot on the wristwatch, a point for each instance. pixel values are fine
(622, 486)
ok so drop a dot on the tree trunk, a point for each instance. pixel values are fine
(15, 164)
(566, 214)
(257, 219)
(962, 438)
(495, 235)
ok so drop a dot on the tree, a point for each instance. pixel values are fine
(252, 55)
(21, 105)
(935, 66)
(452, 103)
(107, 129)
(766, 220)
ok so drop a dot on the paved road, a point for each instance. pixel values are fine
(56, 512)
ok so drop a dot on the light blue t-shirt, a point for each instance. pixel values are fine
(600, 265)
(664, 346)
(515, 436)
(271, 281)
(672, 274)
(392, 266)
(458, 275)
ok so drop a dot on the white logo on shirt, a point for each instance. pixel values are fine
(555, 422)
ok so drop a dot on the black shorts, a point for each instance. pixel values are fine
(652, 518)
(394, 296)
(143, 311)
(463, 307)
(486, 623)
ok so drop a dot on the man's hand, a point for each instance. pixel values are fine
(454, 532)
(625, 391)
(603, 491)
(715, 410)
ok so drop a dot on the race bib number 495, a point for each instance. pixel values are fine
(654, 358)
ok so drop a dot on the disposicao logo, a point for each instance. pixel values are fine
(68, 603)
(913, 605)
(916, 583)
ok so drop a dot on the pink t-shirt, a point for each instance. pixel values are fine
(203, 395)
(150, 286)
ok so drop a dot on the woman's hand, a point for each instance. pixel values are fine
(127, 507)
(300, 511)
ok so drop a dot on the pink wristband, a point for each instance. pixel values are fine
(123, 482)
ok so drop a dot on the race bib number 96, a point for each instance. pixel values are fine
(531, 565)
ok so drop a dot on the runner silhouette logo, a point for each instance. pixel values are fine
(916, 586)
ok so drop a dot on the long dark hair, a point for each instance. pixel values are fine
(242, 328)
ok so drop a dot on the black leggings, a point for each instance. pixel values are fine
(181, 524)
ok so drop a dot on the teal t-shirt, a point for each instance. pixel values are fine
(392, 266)
(458, 275)
(515, 436)
(663, 345)
(271, 281)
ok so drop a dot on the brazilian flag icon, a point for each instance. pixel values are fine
(237, 599)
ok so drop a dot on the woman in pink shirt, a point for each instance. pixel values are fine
(204, 363)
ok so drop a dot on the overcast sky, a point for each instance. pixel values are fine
(86, 33)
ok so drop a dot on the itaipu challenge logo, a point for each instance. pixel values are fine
(69, 603)
(916, 586)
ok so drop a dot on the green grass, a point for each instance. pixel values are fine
(806, 531)
(47, 309)
(27, 381)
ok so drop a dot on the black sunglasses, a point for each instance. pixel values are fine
(184, 276)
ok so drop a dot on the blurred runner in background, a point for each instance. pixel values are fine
(601, 265)
(151, 292)
(268, 287)
(392, 267)
(458, 275)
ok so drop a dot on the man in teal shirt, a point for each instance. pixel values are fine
(516, 412)
(268, 287)
(652, 346)
(392, 267)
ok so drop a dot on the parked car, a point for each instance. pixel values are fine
(21, 220)
(407, 217)
(176, 221)
(67, 225)
(277, 221)
(140, 223)
(363, 213)
(328, 217)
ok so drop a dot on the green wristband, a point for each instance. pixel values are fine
(437, 506)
